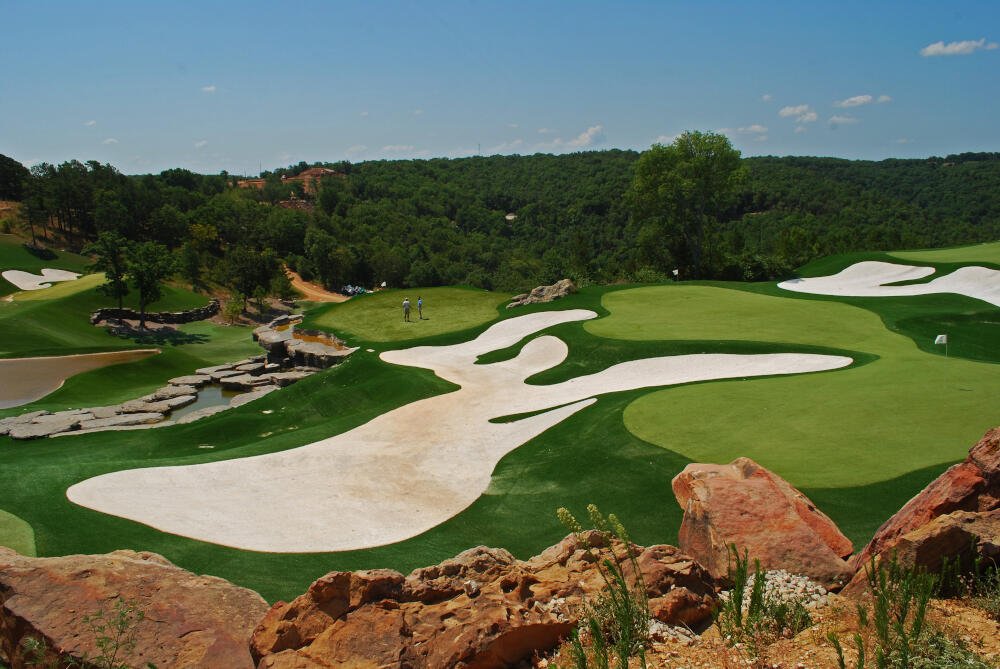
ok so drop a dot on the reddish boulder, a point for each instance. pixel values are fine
(189, 620)
(483, 608)
(743, 503)
(956, 536)
(971, 485)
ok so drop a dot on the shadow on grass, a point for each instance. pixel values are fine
(165, 337)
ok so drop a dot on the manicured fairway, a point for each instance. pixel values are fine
(15, 256)
(378, 317)
(987, 253)
(16, 534)
(904, 411)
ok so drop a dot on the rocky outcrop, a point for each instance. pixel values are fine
(543, 294)
(190, 620)
(483, 608)
(744, 504)
(290, 346)
(171, 317)
(971, 485)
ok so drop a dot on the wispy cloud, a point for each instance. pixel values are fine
(90, 124)
(512, 125)
(754, 129)
(767, 97)
(544, 131)
(364, 114)
(760, 138)
(208, 89)
(200, 143)
(802, 113)
(397, 148)
(670, 139)
(357, 148)
(799, 129)
(883, 98)
(110, 140)
(962, 48)
(505, 147)
(838, 120)
(589, 137)
(856, 101)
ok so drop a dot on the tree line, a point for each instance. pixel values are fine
(511, 222)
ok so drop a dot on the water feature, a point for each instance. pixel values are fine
(208, 396)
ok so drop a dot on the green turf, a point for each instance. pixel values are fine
(905, 411)
(16, 534)
(984, 253)
(378, 317)
(15, 256)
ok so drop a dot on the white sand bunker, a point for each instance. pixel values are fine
(409, 469)
(29, 281)
(868, 279)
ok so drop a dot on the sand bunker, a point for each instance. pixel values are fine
(409, 469)
(868, 279)
(29, 379)
(28, 281)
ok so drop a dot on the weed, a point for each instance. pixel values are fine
(615, 625)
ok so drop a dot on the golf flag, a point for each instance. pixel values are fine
(941, 339)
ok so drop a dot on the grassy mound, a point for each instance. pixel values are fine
(378, 317)
(16, 534)
(978, 253)
(15, 256)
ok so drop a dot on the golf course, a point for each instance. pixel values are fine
(599, 397)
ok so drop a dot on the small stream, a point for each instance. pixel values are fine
(208, 396)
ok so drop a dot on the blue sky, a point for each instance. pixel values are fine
(210, 86)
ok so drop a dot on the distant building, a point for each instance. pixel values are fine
(309, 178)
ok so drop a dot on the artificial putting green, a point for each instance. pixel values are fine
(904, 411)
(378, 317)
(16, 534)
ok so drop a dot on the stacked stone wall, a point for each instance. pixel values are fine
(171, 317)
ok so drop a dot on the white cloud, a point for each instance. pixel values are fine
(856, 101)
(397, 148)
(200, 143)
(357, 148)
(802, 113)
(903, 140)
(589, 137)
(505, 147)
(756, 128)
(760, 138)
(767, 97)
(799, 129)
(883, 98)
(418, 112)
(110, 140)
(837, 120)
(208, 89)
(544, 131)
(90, 123)
(962, 48)
(670, 139)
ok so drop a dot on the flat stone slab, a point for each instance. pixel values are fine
(105, 412)
(251, 368)
(256, 394)
(201, 413)
(288, 378)
(196, 380)
(212, 369)
(244, 381)
(23, 418)
(46, 425)
(224, 373)
(124, 419)
(167, 392)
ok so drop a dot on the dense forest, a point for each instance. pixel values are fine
(503, 222)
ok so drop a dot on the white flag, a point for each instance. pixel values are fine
(383, 284)
(941, 339)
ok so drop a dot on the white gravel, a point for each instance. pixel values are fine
(28, 281)
(869, 279)
(409, 469)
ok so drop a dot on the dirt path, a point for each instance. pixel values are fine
(313, 292)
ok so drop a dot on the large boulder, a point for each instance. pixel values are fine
(744, 504)
(190, 620)
(483, 608)
(541, 294)
(971, 485)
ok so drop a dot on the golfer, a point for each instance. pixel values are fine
(420, 307)
(406, 310)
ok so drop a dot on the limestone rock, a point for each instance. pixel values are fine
(543, 294)
(224, 374)
(167, 392)
(196, 380)
(198, 414)
(190, 620)
(255, 394)
(283, 379)
(208, 371)
(46, 425)
(482, 608)
(243, 381)
(252, 368)
(971, 485)
(161, 406)
(9, 422)
(745, 504)
(123, 419)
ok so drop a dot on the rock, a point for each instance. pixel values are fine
(315, 354)
(196, 380)
(482, 608)
(971, 485)
(198, 414)
(745, 504)
(243, 381)
(46, 425)
(168, 392)
(956, 536)
(255, 394)
(123, 419)
(23, 418)
(543, 294)
(252, 368)
(162, 406)
(224, 374)
(272, 367)
(208, 371)
(189, 620)
(287, 378)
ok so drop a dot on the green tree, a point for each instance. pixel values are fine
(687, 185)
(149, 264)
(110, 251)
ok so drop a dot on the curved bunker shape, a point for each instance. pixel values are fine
(28, 379)
(28, 281)
(409, 469)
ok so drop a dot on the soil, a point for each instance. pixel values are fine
(312, 291)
